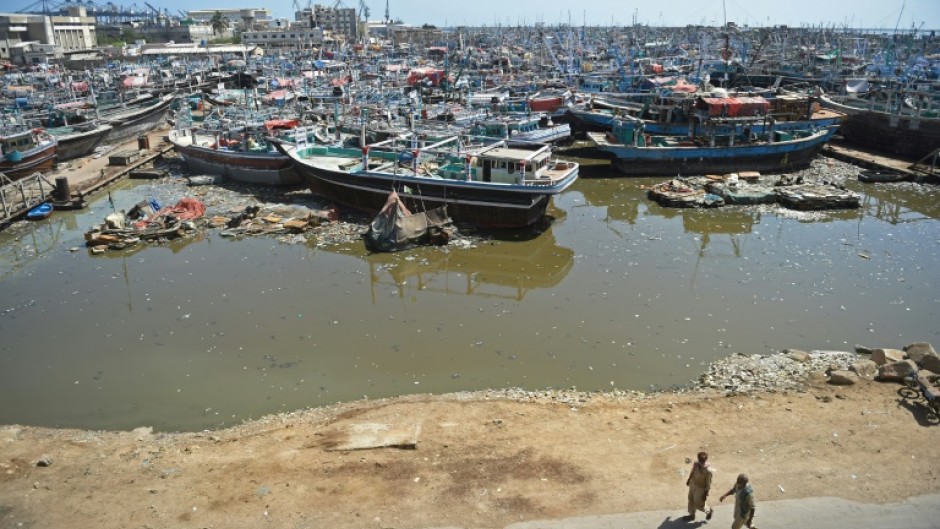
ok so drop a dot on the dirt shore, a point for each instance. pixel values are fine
(481, 460)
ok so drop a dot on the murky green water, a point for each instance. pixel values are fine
(618, 293)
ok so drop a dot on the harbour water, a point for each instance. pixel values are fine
(617, 293)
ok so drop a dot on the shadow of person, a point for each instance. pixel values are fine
(681, 523)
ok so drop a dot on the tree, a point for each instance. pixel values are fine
(219, 23)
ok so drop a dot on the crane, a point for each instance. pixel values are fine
(156, 12)
(363, 11)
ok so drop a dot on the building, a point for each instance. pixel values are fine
(244, 19)
(73, 32)
(293, 37)
(338, 20)
(194, 50)
(188, 33)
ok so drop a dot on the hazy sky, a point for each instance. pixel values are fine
(855, 13)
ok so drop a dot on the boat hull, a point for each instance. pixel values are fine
(247, 168)
(40, 212)
(82, 143)
(688, 161)
(130, 125)
(39, 161)
(485, 208)
(903, 136)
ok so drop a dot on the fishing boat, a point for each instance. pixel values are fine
(40, 212)
(127, 122)
(493, 186)
(25, 151)
(78, 140)
(635, 154)
(532, 128)
(237, 155)
(891, 127)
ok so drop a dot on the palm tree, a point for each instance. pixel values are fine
(219, 23)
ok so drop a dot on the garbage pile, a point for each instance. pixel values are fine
(147, 222)
(253, 220)
(715, 191)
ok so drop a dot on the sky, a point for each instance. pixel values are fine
(854, 13)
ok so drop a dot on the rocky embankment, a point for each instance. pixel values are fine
(787, 370)
(792, 368)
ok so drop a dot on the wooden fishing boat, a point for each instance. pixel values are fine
(130, 121)
(244, 158)
(490, 187)
(534, 128)
(664, 156)
(78, 140)
(906, 133)
(26, 151)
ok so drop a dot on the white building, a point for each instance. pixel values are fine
(74, 32)
(244, 18)
(294, 37)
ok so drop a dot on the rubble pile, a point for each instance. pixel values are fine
(819, 187)
(788, 370)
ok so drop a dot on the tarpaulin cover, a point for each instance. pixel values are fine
(684, 86)
(185, 209)
(734, 106)
(396, 228)
(419, 74)
(546, 104)
(132, 82)
(275, 94)
(284, 124)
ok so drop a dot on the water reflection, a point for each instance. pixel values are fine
(503, 269)
(621, 198)
(25, 242)
(899, 203)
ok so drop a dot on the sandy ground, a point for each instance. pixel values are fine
(480, 461)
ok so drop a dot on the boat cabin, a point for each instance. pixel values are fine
(14, 144)
(505, 165)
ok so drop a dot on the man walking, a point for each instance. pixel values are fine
(699, 483)
(743, 503)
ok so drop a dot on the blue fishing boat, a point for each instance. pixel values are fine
(636, 154)
(40, 212)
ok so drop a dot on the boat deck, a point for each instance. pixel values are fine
(600, 139)
(553, 175)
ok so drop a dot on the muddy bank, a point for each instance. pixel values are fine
(482, 459)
